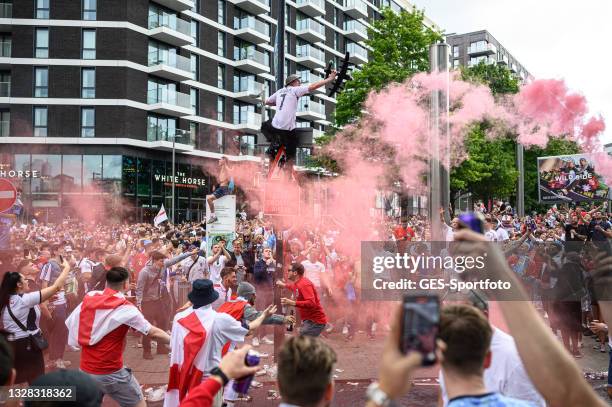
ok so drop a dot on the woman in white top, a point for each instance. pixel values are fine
(24, 307)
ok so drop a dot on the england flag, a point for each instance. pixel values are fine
(100, 313)
(161, 216)
(191, 349)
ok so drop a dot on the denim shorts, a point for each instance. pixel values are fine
(121, 386)
(221, 191)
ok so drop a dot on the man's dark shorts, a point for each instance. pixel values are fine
(221, 191)
(288, 138)
(310, 328)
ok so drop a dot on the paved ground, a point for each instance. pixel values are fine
(357, 365)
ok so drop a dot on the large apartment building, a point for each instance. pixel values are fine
(471, 48)
(95, 94)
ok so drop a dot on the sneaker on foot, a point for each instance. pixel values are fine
(67, 363)
(345, 330)
(59, 364)
(602, 348)
(212, 219)
(267, 341)
(329, 328)
(255, 342)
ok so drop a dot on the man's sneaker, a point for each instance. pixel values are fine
(59, 364)
(212, 219)
(602, 348)
(267, 341)
(329, 328)
(67, 363)
(345, 330)
(255, 342)
(147, 356)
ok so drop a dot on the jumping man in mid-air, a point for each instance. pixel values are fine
(222, 188)
(281, 128)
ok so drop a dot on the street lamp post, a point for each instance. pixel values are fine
(176, 134)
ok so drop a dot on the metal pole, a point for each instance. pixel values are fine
(438, 183)
(279, 46)
(173, 174)
(520, 194)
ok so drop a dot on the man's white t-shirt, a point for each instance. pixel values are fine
(286, 100)
(312, 271)
(215, 269)
(502, 234)
(506, 374)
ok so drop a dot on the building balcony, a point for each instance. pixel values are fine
(357, 53)
(503, 60)
(356, 8)
(307, 77)
(169, 102)
(170, 29)
(252, 61)
(249, 122)
(252, 30)
(162, 138)
(5, 127)
(310, 56)
(355, 30)
(5, 49)
(486, 60)
(488, 49)
(312, 8)
(255, 7)
(170, 66)
(310, 110)
(513, 68)
(317, 134)
(177, 5)
(310, 30)
(250, 93)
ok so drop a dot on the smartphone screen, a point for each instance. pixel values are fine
(420, 323)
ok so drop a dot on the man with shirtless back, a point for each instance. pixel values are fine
(222, 188)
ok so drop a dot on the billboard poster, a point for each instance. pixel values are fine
(225, 226)
(570, 178)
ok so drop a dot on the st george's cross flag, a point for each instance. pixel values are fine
(161, 216)
(190, 342)
(100, 313)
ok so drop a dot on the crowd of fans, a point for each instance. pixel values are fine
(163, 277)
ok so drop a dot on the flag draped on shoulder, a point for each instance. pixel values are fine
(161, 216)
(191, 336)
(100, 313)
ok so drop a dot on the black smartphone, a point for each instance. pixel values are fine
(420, 325)
(61, 259)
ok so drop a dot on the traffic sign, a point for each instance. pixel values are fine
(8, 195)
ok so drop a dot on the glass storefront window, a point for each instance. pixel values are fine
(71, 173)
(111, 174)
(49, 169)
(144, 177)
(129, 175)
(158, 170)
(92, 172)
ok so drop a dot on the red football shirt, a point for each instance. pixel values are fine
(307, 301)
(105, 356)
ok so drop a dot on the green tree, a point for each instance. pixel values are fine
(490, 169)
(399, 45)
(499, 78)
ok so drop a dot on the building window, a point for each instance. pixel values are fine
(456, 51)
(41, 82)
(220, 140)
(221, 12)
(89, 44)
(90, 9)
(196, 6)
(42, 43)
(40, 121)
(5, 123)
(42, 9)
(195, 64)
(88, 83)
(221, 44)
(88, 122)
(193, 95)
(160, 128)
(455, 63)
(193, 132)
(247, 145)
(221, 76)
(220, 108)
(195, 32)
